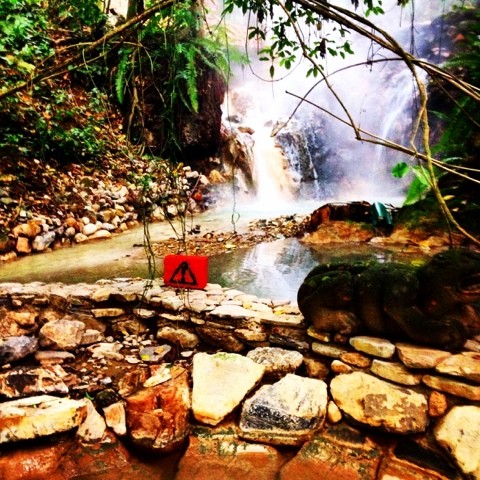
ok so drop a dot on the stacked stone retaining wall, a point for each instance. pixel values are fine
(394, 410)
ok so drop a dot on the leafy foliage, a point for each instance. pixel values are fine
(278, 23)
(48, 121)
(168, 58)
(461, 134)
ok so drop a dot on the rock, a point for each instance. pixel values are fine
(89, 229)
(337, 366)
(36, 462)
(93, 428)
(106, 350)
(42, 242)
(414, 356)
(220, 454)
(36, 417)
(437, 404)
(220, 338)
(23, 381)
(100, 234)
(377, 347)
(108, 312)
(80, 238)
(395, 372)
(62, 334)
(17, 323)
(91, 336)
(220, 382)
(158, 416)
(154, 354)
(285, 413)
(459, 434)
(277, 361)
(115, 418)
(377, 403)
(453, 387)
(234, 312)
(356, 359)
(29, 230)
(316, 368)
(101, 294)
(23, 246)
(334, 415)
(16, 348)
(339, 452)
(465, 364)
(52, 357)
(328, 350)
(178, 336)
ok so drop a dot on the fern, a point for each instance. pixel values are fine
(121, 76)
(187, 55)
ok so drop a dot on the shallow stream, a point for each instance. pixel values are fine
(270, 270)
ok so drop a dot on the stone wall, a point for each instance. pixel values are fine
(219, 381)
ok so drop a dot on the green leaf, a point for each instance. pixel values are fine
(400, 170)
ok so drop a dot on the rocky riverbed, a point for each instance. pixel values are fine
(116, 380)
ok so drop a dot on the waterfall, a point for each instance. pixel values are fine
(316, 155)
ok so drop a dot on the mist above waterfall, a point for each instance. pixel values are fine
(316, 155)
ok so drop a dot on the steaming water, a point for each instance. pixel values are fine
(380, 97)
(323, 163)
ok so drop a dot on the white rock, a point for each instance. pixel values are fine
(220, 383)
(459, 433)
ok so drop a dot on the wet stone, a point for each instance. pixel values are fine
(285, 413)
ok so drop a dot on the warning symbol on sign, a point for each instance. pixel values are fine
(185, 271)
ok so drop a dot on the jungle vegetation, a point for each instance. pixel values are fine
(74, 76)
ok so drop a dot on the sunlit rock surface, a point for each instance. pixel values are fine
(36, 417)
(380, 404)
(459, 433)
(220, 382)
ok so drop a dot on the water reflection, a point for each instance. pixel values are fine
(276, 270)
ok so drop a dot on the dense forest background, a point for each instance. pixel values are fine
(85, 91)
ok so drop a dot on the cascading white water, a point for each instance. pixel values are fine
(380, 97)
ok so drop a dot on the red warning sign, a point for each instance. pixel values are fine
(185, 271)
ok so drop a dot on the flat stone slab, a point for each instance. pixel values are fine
(220, 382)
(36, 417)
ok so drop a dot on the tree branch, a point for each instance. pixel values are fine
(86, 49)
